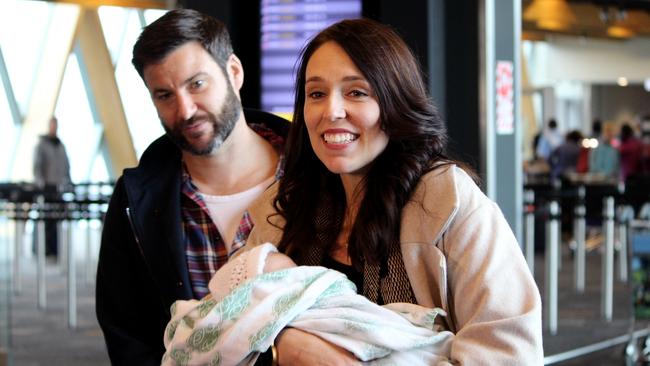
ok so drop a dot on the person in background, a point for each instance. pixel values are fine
(549, 140)
(604, 159)
(565, 157)
(596, 128)
(630, 149)
(51, 172)
(369, 191)
(582, 166)
(645, 145)
(183, 211)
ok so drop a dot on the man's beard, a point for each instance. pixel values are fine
(222, 126)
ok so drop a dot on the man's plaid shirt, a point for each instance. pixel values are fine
(205, 249)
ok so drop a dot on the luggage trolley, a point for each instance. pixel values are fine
(637, 351)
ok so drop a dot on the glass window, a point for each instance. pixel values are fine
(99, 170)
(140, 113)
(113, 20)
(7, 137)
(77, 127)
(21, 42)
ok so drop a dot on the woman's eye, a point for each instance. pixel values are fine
(315, 95)
(358, 93)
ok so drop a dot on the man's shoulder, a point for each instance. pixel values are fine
(278, 125)
(161, 155)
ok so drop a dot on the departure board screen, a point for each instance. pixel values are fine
(287, 25)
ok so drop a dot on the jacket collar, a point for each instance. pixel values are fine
(432, 207)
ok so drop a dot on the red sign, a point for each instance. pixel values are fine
(505, 108)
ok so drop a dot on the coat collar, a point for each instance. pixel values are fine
(432, 207)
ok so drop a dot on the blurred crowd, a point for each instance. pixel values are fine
(613, 151)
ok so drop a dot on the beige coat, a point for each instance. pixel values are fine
(460, 255)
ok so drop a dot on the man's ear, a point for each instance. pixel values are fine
(235, 72)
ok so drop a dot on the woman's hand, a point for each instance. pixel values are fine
(296, 347)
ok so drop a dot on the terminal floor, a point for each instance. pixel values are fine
(41, 337)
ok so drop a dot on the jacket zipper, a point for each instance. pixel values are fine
(135, 234)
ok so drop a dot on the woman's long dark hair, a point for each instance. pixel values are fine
(417, 141)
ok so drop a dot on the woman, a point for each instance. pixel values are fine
(369, 191)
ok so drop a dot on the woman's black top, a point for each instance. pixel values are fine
(353, 275)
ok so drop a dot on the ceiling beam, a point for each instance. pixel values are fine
(141, 4)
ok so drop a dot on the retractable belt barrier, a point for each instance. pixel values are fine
(66, 205)
(582, 201)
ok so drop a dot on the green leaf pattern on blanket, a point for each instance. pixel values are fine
(216, 361)
(235, 303)
(336, 288)
(372, 352)
(180, 356)
(283, 305)
(258, 340)
(171, 329)
(357, 325)
(206, 306)
(187, 319)
(203, 339)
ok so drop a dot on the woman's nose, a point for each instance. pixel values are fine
(335, 108)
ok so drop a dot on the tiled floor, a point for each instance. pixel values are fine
(42, 337)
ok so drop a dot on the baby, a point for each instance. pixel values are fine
(260, 292)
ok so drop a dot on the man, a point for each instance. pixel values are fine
(51, 170)
(177, 217)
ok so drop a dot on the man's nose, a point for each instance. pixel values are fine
(186, 107)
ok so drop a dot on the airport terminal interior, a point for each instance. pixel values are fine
(547, 100)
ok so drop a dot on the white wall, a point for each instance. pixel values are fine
(589, 60)
(620, 104)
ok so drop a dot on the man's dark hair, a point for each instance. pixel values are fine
(176, 28)
(552, 124)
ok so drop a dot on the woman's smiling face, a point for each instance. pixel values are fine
(341, 112)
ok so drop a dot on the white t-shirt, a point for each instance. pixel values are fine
(227, 211)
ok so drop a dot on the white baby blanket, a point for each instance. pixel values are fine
(246, 311)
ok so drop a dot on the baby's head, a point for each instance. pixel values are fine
(276, 261)
(261, 259)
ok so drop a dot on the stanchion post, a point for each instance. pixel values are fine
(607, 262)
(552, 245)
(19, 225)
(625, 215)
(71, 279)
(529, 199)
(88, 268)
(41, 287)
(579, 233)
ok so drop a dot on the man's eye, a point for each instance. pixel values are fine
(198, 83)
(162, 96)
